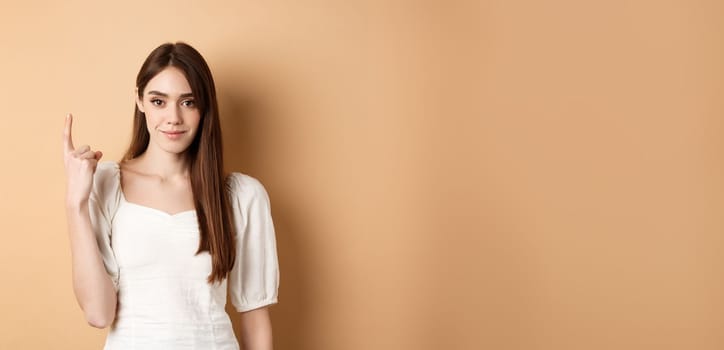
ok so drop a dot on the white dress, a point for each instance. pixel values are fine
(164, 301)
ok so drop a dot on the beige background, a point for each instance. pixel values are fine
(443, 174)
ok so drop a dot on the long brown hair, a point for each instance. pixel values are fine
(205, 157)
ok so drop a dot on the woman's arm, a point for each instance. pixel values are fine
(92, 285)
(256, 329)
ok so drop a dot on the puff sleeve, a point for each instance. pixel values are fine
(254, 279)
(102, 205)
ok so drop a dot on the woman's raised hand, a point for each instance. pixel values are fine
(80, 165)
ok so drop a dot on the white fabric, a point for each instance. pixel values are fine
(164, 301)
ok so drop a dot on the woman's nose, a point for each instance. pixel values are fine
(174, 115)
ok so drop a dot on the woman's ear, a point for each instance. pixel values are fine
(139, 102)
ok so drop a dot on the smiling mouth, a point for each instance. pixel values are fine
(173, 132)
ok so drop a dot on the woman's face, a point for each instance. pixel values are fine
(172, 118)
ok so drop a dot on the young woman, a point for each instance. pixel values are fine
(158, 237)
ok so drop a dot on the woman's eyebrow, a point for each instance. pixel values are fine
(154, 92)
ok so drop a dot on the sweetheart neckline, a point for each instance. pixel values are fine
(123, 197)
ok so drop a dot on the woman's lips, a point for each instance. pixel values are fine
(173, 135)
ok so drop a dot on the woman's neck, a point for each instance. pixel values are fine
(163, 164)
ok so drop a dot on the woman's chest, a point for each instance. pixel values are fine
(148, 243)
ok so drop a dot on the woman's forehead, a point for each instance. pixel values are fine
(169, 82)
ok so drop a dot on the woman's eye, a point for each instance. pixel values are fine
(188, 103)
(156, 102)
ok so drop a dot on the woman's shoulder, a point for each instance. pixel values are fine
(106, 176)
(244, 186)
(238, 181)
(106, 182)
(107, 167)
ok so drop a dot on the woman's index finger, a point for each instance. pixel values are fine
(67, 134)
